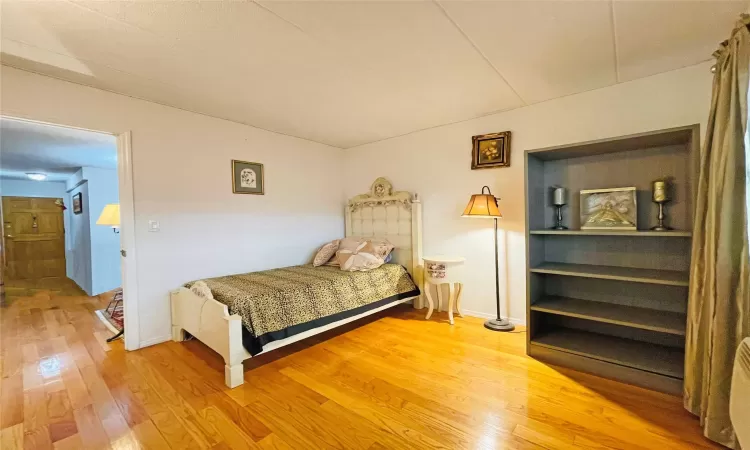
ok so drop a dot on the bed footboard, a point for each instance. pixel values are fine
(209, 321)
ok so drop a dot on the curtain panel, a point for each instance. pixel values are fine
(719, 293)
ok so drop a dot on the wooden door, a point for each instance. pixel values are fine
(34, 238)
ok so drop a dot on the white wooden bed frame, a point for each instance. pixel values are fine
(381, 213)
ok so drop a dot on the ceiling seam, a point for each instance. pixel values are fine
(478, 50)
(616, 55)
(168, 106)
(121, 22)
(283, 19)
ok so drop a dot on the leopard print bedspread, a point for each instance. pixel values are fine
(272, 300)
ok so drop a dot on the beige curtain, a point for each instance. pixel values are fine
(719, 301)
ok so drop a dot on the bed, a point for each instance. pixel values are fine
(261, 300)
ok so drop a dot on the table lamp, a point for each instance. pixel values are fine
(110, 216)
(485, 206)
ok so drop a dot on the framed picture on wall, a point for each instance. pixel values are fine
(490, 150)
(247, 177)
(78, 203)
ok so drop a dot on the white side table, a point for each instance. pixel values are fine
(441, 270)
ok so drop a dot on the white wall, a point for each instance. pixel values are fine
(93, 252)
(105, 244)
(30, 188)
(182, 179)
(78, 254)
(436, 164)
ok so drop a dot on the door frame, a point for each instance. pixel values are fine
(127, 228)
(127, 240)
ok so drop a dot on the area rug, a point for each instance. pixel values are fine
(112, 317)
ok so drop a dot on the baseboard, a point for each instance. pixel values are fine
(482, 315)
(154, 341)
(79, 286)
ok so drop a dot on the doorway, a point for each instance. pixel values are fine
(67, 243)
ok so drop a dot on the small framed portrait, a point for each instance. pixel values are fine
(490, 150)
(247, 177)
(78, 203)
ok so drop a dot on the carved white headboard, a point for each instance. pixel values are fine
(394, 215)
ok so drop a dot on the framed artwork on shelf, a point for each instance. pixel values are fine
(609, 209)
(247, 177)
(490, 150)
(78, 203)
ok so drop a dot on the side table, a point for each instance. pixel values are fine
(441, 270)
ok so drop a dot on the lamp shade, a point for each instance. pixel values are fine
(110, 215)
(482, 205)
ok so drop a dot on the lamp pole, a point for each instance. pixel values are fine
(498, 324)
(497, 275)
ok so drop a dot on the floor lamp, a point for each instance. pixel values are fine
(485, 206)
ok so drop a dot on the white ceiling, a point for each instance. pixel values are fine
(346, 73)
(56, 151)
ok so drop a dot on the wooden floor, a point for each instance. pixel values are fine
(397, 381)
(49, 286)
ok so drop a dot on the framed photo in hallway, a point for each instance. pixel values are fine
(78, 203)
(247, 177)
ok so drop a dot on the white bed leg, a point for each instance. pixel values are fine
(234, 375)
(178, 334)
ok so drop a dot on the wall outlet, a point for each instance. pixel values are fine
(153, 225)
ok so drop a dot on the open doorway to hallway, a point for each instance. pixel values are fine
(60, 213)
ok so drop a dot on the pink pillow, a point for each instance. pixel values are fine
(359, 258)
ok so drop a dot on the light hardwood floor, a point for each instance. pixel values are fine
(397, 381)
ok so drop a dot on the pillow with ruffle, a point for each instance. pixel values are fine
(348, 243)
(383, 247)
(361, 257)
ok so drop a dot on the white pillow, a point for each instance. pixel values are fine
(201, 289)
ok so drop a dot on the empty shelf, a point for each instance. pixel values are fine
(629, 316)
(654, 276)
(644, 233)
(653, 358)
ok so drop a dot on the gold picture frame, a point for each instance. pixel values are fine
(248, 178)
(490, 150)
(613, 209)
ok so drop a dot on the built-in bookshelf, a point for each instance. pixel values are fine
(612, 303)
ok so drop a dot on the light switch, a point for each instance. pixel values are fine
(153, 225)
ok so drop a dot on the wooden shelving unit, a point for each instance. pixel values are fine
(628, 316)
(644, 233)
(659, 359)
(611, 303)
(655, 276)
